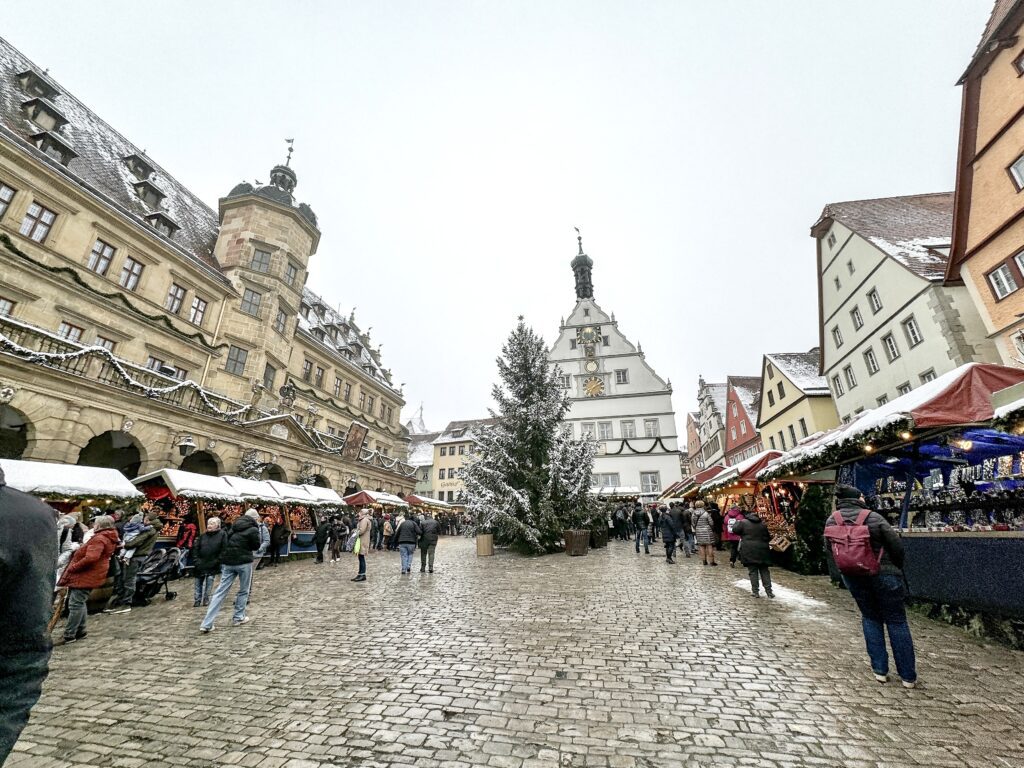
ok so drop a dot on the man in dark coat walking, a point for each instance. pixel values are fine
(323, 533)
(755, 552)
(670, 533)
(28, 566)
(430, 530)
(235, 563)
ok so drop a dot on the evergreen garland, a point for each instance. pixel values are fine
(809, 547)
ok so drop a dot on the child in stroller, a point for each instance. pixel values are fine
(162, 566)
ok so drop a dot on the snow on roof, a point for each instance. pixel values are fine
(70, 480)
(291, 492)
(191, 484)
(378, 497)
(915, 230)
(323, 495)
(99, 163)
(748, 391)
(461, 431)
(253, 489)
(719, 395)
(421, 449)
(801, 368)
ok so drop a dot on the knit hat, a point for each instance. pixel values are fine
(153, 516)
(847, 492)
(251, 512)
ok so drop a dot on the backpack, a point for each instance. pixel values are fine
(851, 546)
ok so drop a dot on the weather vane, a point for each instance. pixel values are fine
(291, 148)
(579, 238)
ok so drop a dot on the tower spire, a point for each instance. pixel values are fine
(291, 148)
(581, 269)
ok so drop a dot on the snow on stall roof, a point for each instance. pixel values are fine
(99, 165)
(191, 484)
(915, 229)
(291, 492)
(381, 498)
(1009, 409)
(323, 495)
(41, 478)
(892, 412)
(801, 368)
(253, 489)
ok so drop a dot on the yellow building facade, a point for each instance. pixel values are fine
(795, 400)
(452, 449)
(141, 329)
(988, 224)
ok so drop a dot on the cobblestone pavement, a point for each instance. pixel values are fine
(612, 659)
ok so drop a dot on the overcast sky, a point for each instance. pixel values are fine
(449, 148)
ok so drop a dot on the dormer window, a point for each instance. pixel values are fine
(44, 114)
(149, 193)
(35, 84)
(52, 145)
(304, 310)
(139, 167)
(163, 223)
(319, 333)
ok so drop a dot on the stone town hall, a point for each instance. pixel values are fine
(616, 397)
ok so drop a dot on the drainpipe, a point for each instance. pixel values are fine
(216, 333)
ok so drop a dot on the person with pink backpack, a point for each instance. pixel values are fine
(869, 554)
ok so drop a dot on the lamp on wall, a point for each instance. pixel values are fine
(186, 446)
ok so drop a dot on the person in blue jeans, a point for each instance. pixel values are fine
(642, 522)
(235, 563)
(880, 597)
(407, 536)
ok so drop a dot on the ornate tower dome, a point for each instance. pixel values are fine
(582, 266)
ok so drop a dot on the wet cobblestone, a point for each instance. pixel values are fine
(612, 660)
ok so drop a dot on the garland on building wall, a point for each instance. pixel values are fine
(345, 408)
(51, 358)
(626, 444)
(119, 297)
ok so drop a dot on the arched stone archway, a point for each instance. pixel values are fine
(13, 433)
(115, 450)
(274, 472)
(202, 463)
(320, 481)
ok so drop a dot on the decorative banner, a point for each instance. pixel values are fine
(354, 441)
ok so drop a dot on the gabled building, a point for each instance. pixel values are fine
(615, 396)
(452, 448)
(988, 221)
(741, 436)
(795, 401)
(887, 323)
(711, 399)
(694, 462)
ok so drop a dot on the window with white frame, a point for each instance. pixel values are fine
(875, 301)
(587, 429)
(565, 381)
(734, 410)
(155, 363)
(857, 317)
(928, 375)
(197, 312)
(892, 350)
(100, 257)
(882, 399)
(851, 378)
(913, 332)
(103, 341)
(175, 298)
(6, 307)
(651, 428)
(650, 482)
(440, 475)
(6, 195)
(837, 336)
(604, 430)
(1002, 281)
(131, 274)
(743, 427)
(1017, 172)
(628, 429)
(837, 386)
(68, 331)
(903, 388)
(622, 376)
(451, 473)
(37, 222)
(604, 480)
(871, 361)
(732, 432)
(846, 419)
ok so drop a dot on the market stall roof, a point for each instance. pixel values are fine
(253, 489)
(289, 492)
(43, 479)
(324, 495)
(615, 490)
(191, 485)
(745, 471)
(364, 498)
(960, 397)
(670, 492)
(420, 501)
(692, 485)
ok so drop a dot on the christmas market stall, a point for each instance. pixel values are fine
(738, 486)
(70, 488)
(947, 476)
(690, 487)
(306, 506)
(180, 495)
(375, 500)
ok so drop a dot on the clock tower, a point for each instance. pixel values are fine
(615, 396)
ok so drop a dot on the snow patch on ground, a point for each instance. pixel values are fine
(786, 595)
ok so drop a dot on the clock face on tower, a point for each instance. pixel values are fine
(589, 335)
(590, 366)
(593, 386)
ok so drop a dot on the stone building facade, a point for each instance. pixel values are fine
(141, 329)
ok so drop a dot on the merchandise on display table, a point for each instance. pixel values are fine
(962, 508)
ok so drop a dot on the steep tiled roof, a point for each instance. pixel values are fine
(915, 230)
(748, 391)
(421, 449)
(801, 368)
(1000, 12)
(99, 164)
(719, 394)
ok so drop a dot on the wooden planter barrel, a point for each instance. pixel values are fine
(484, 544)
(577, 541)
(599, 537)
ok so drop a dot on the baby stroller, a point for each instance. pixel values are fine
(160, 567)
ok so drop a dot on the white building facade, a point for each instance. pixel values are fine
(616, 397)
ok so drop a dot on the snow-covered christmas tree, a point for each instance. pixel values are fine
(528, 480)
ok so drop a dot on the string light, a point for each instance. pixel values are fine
(869, 448)
(905, 435)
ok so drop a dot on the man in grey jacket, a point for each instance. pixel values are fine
(429, 532)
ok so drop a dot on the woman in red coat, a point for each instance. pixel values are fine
(86, 571)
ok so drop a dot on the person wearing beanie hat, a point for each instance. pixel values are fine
(235, 563)
(140, 536)
(880, 597)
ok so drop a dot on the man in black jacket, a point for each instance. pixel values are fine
(28, 563)
(642, 524)
(323, 533)
(880, 597)
(407, 536)
(235, 563)
(429, 532)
